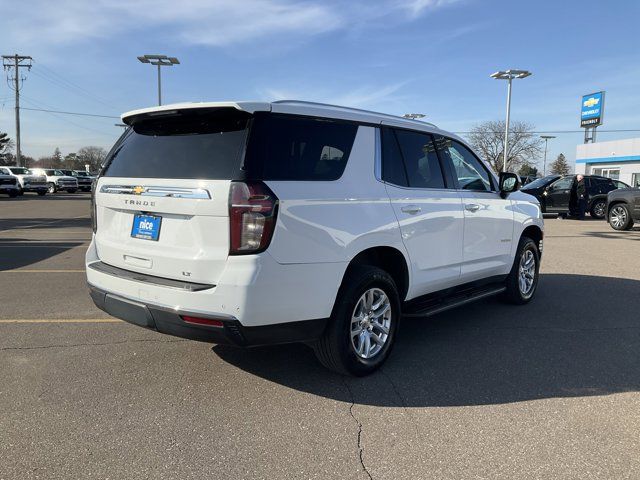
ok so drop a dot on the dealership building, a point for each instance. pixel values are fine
(619, 160)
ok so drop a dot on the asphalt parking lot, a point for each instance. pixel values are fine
(488, 391)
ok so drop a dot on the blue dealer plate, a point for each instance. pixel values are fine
(146, 227)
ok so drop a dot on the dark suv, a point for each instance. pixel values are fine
(560, 195)
(623, 208)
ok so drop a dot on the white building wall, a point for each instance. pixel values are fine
(622, 155)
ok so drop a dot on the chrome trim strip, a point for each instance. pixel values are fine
(175, 192)
(152, 279)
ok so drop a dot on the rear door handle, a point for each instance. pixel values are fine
(472, 207)
(411, 209)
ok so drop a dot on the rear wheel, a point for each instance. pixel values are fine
(363, 323)
(620, 217)
(598, 209)
(522, 281)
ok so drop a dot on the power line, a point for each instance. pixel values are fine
(69, 113)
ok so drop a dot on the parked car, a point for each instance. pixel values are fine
(527, 179)
(28, 181)
(319, 224)
(82, 177)
(538, 186)
(58, 180)
(560, 197)
(9, 184)
(623, 208)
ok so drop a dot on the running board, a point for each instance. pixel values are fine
(435, 305)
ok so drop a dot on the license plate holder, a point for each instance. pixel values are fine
(146, 227)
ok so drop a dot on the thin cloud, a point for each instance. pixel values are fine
(195, 22)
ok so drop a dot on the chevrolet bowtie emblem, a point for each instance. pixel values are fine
(138, 190)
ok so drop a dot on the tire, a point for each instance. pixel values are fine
(14, 193)
(42, 193)
(51, 188)
(337, 349)
(599, 209)
(518, 292)
(620, 217)
(72, 190)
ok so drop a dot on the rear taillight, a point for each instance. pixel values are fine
(252, 217)
(94, 220)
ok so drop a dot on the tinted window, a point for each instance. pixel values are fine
(189, 144)
(420, 159)
(470, 172)
(392, 164)
(563, 184)
(285, 147)
(540, 182)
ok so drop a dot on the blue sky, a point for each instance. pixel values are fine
(395, 56)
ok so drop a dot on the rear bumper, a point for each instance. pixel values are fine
(232, 332)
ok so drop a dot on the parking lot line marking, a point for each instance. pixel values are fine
(62, 320)
(24, 270)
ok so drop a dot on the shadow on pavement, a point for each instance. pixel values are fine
(579, 337)
(18, 252)
(43, 223)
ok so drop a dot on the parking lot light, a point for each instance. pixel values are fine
(159, 61)
(508, 75)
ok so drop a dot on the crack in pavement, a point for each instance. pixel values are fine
(41, 347)
(359, 423)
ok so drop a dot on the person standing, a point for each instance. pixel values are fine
(581, 196)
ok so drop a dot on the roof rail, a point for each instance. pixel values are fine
(320, 104)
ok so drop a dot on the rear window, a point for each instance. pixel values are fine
(211, 143)
(286, 147)
(186, 144)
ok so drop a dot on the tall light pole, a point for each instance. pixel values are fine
(159, 61)
(546, 139)
(508, 75)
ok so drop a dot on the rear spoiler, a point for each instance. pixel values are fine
(174, 109)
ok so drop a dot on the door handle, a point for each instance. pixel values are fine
(411, 209)
(472, 207)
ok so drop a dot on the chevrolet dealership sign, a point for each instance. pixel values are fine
(592, 110)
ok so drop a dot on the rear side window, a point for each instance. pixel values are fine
(286, 147)
(191, 144)
(409, 159)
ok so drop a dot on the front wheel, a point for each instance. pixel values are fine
(598, 209)
(363, 323)
(51, 188)
(620, 217)
(522, 281)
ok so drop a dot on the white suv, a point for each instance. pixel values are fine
(261, 223)
(58, 180)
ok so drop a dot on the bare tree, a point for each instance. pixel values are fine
(487, 139)
(560, 166)
(6, 147)
(92, 156)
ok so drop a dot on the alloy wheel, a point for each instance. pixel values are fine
(527, 273)
(618, 217)
(370, 323)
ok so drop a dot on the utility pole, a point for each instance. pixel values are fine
(17, 62)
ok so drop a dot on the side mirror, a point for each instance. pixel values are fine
(509, 183)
